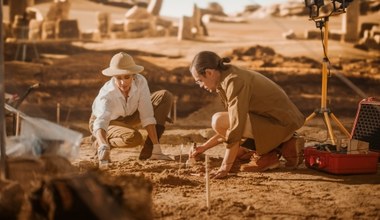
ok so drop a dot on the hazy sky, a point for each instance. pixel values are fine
(177, 8)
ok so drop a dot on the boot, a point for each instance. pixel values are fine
(249, 143)
(146, 151)
(292, 151)
(261, 163)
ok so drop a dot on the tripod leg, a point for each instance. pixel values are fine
(311, 116)
(340, 125)
(329, 128)
(24, 47)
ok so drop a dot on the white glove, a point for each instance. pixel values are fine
(157, 153)
(104, 152)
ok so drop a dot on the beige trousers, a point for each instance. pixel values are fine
(122, 132)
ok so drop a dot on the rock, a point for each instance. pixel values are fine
(11, 199)
(35, 29)
(58, 10)
(48, 30)
(26, 171)
(67, 29)
(137, 12)
(94, 197)
(103, 23)
(136, 24)
(184, 29)
(289, 34)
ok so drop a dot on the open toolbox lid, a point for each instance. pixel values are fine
(366, 126)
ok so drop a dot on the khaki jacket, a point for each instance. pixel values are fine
(273, 115)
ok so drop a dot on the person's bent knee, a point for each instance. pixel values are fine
(167, 97)
(218, 120)
(138, 140)
(162, 101)
(127, 140)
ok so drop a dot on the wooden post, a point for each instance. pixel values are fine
(3, 162)
(175, 109)
(207, 184)
(350, 22)
(103, 23)
(184, 29)
(18, 8)
(17, 132)
(180, 158)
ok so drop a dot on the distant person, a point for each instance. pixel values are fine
(259, 115)
(124, 103)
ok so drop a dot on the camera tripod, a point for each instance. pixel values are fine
(324, 110)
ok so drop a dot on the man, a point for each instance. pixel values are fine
(123, 103)
(257, 110)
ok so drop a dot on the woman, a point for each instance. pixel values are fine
(257, 109)
(123, 103)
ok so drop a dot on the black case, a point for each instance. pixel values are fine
(367, 123)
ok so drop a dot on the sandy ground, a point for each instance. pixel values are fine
(73, 79)
(180, 191)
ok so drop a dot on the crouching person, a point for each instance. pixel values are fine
(122, 105)
(257, 111)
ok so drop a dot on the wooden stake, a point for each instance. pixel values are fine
(17, 132)
(67, 116)
(180, 158)
(3, 162)
(207, 184)
(58, 112)
(175, 109)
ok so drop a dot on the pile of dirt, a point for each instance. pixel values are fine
(261, 56)
(52, 186)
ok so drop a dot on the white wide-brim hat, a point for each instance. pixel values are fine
(122, 64)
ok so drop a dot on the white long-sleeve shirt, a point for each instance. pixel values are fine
(110, 103)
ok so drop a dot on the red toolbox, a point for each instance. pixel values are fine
(366, 128)
(340, 163)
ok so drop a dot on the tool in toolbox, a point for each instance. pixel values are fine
(363, 151)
